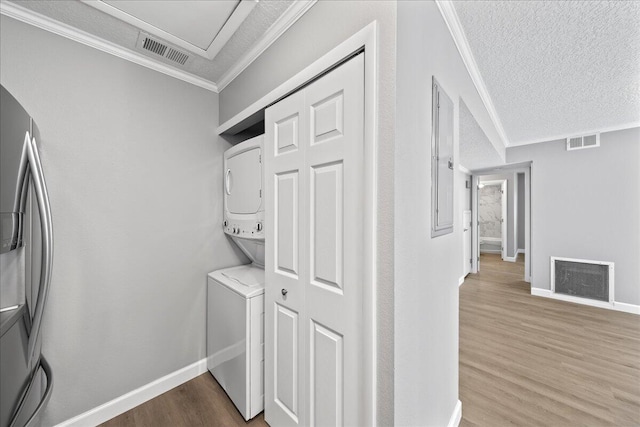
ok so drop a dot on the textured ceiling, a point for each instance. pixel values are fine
(93, 21)
(555, 68)
(476, 151)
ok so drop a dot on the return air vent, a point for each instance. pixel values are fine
(584, 141)
(582, 278)
(161, 50)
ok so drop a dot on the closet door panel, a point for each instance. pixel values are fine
(285, 180)
(314, 197)
(333, 253)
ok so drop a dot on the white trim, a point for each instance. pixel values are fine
(626, 308)
(455, 28)
(551, 138)
(491, 182)
(520, 251)
(461, 280)
(490, 239)
(288, 18)
(333, 57)
(511, 258)
(552, 273)
(464, 170)
(12, 307)
(475, 233)
(456, 416)
(367, 38)
(616, 306)
(35, 19)
(119, 405)
(237, 17)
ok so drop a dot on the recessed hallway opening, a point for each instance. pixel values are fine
(527, 360)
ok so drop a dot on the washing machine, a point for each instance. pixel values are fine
(235, 335)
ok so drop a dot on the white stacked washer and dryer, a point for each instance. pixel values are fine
(235, 296)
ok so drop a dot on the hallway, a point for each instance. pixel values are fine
(528, 360)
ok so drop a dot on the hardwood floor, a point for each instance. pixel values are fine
(199, 402)
(535, 361)
(524, 360)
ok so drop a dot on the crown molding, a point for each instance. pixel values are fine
(35, 19)
(288, 18)
(550, 138)
(450, 16)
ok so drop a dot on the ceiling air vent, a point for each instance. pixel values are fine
(161, 50)
(585, 141)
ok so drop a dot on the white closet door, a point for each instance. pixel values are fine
(284, 265)
(314, 197)
(334, 161)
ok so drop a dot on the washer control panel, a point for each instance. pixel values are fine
(248, 229)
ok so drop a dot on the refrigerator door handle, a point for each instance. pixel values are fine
(42, 198)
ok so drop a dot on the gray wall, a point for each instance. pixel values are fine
(585, 204)
(520, 211)
(134, 174)
(511, 207)
(426, 273)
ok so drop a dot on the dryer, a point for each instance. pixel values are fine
(243, 197)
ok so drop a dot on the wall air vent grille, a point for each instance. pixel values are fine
(177, 56)
(154, 46)
(161, 50)
(581, 278)
(584, 141)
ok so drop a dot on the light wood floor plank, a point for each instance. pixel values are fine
(533, 361)
(199, 402)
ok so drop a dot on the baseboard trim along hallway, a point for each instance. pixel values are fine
(617, 306)
(137, 397)
(456, 417)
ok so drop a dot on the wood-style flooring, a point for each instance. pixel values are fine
(533, 361)
(197, 403)
(524, 361)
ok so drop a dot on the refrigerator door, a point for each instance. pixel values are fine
(25, 376)
(14, 122)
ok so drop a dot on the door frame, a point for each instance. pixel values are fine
(527, 169)
(466, 264)
(365, 41)
(502, 182)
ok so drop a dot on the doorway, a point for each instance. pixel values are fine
(492, 216)
(514, 239)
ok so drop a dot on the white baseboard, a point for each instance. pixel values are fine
(136, 397)
(617, 306)
(511, 258)
(490, 251)
(461, 280)
(456, 417)
(520, 251)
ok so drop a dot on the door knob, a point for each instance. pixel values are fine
(284, 292)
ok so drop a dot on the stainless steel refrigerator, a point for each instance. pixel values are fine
(26, 255)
